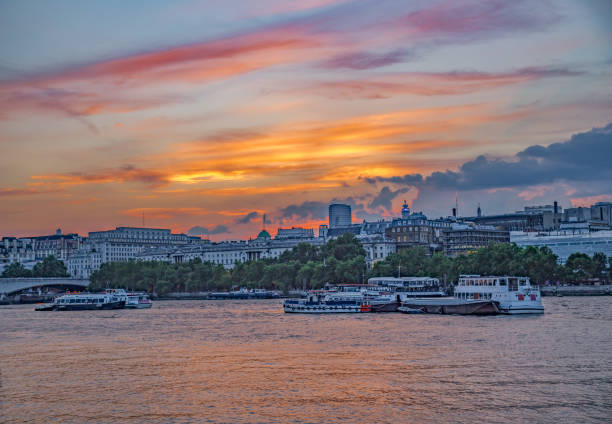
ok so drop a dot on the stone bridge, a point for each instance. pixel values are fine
(13, 285)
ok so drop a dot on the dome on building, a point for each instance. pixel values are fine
(405, 210)
(264, 235)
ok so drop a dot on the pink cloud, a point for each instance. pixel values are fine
(468, 20)
(432, 84)
(589, 200)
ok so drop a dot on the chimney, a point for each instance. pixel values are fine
(455, 212)
(555, 207)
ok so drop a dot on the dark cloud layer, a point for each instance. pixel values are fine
(385, 198)
(202, 231)
(309, 209)
(248, 218)
(585, 157)
(366, 60)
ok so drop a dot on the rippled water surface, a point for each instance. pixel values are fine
(247, 361)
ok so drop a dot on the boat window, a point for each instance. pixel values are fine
(522, 282)
(502, 281)
(513, 284)
(72, 300)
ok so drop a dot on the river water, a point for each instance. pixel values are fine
(248, 362)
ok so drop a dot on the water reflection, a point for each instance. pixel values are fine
(246, 361)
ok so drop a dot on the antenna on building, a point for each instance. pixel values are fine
(264, 221)
(143, 222)
(457, 204)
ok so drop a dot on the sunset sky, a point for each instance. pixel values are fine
(209, 114)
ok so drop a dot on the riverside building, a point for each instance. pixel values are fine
(28, 251)
(414, 229)
(121, 244)
(564, 243)
(228, 253)
(463, 238)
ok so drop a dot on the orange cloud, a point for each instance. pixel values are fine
(127, 173)
(165, 213)
(5, 192)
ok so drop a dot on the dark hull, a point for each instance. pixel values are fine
(471, 308)
(34, 298)
(386, 307)
(44, 308)
(83, 307)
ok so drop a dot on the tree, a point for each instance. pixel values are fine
(345, 247)
(578, 267)
(303, 253)
(50, 267)
(15, 270)
(599, 265)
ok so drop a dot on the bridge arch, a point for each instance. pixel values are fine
(13, 285)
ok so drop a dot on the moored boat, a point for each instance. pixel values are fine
(380, 298)
(326, 302)
(137, 301)
(514, 295)
(244, 293)
(410, 287)
(109, 299)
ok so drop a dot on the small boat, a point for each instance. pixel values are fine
(137, 301)
(44, 307)
(407, 310)
(110, 299)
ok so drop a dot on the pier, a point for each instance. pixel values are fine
(602, 290)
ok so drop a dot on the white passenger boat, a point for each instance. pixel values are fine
(138, 301)
(327, 302)
(514, 295)
(109, 299)
(410, 287)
